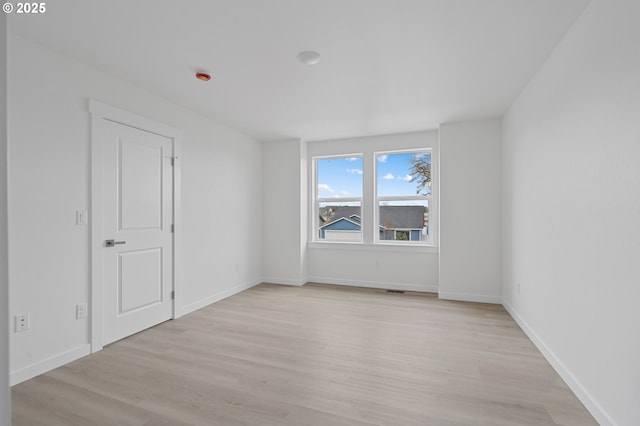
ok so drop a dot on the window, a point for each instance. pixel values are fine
(403, 193)
(371, 195)
(339, 198)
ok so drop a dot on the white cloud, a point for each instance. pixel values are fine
(343, 192)
(388, 176)
(356, 171)
(352, 158)
(408, 178)
(383, 158)
(324, 187)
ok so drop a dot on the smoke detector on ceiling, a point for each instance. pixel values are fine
(308, 57)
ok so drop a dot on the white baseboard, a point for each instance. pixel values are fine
(56, 361)
(49, 364)
(574, 384)
(464, 297)
(284, 281)
(376, 284)
(184, 310)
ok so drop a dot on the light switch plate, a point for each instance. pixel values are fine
(82, 217)
(81, 310)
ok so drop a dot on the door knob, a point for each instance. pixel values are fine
(112, 243)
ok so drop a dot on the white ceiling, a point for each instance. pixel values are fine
(387, 66)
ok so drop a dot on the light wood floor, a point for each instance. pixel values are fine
(313, 355)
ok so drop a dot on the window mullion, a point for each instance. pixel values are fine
(369, 215)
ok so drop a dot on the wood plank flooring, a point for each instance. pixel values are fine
(313, 355)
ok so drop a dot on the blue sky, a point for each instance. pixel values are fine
(342, 177)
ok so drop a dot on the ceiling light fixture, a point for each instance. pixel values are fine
(203, 76)
(309, 57)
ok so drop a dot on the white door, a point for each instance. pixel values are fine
(137, 217)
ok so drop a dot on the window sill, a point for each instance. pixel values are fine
(409, 248)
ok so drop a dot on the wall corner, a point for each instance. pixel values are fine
(5, 391)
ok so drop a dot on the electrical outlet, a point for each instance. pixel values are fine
(81, 310)
(518, 287)
(22, 322)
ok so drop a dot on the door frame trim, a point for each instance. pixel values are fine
(101, 111)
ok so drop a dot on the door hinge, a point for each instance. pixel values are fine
(173, 294)
(172, 227)
(173, 161)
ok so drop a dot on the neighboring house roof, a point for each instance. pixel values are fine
(342, 219)
(397, 217)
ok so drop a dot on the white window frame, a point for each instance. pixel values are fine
(366, 147)
(315, 222)
(378, 199)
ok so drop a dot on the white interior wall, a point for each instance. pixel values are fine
(571, 185)
(369, 265)
(383, 267)
(221, 213)
(471, 211)
(283, 224)
(5, 394)
(49, 170)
